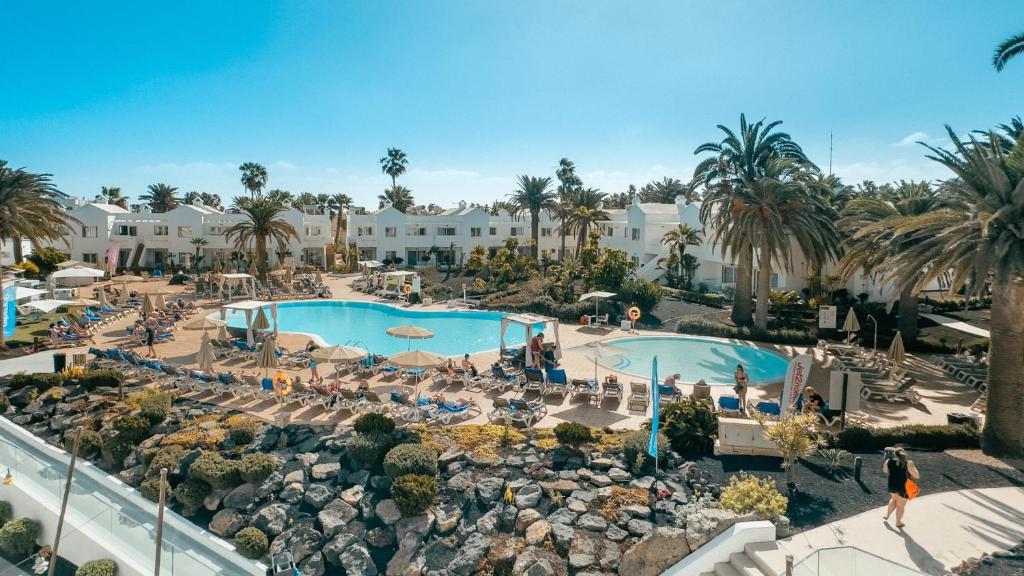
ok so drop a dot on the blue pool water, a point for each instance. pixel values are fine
(364, 324)
(694, 359)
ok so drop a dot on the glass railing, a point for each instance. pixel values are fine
(849, 561)
(111, 514)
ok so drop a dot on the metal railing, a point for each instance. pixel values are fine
(849, 561)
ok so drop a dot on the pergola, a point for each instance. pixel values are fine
(250, 307)
(245, 280)
(367, 266)
(401, 276)
(529, 321)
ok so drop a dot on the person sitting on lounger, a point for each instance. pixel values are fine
(670, 381)
(468, 367)
(457, 403)
(812, 401)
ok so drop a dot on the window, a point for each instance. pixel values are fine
(728, 274)
(390, 255)
(367, 253)
(607, 230)
(390, 232)
(216, 230)
(493, 231)
(516, 231)
(636, 233)
(365, 231)
(90, 231)
(184, 231)
(545, 232)
(312, 230)
(159, 230)
(636, 261)
(446, 231)
(416, 231)
(773, 280)
(475, 232)
(90, 258)
(124, 230)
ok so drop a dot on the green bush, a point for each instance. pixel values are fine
(747, 493)
(707, 299)
(114, 451)
(5, 403)
(131, 429)
(164, 457)
(94, 379)
(5, 512)
(155, 407)
(634, 450)
(97, 568)
(255, 468)
(88, 446)
(368, 451)
(150, 488)
(642, 294)
(410, 459)
(18, 538)
(40, 381)
(777, 336)
(242, 428)
(252, 543)
(214, 470)
(690, 425)
(922, 436)
(573, 433)
(413, 493)
(190, 494)
(373, 423)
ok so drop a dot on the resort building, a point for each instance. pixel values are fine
(160, 241)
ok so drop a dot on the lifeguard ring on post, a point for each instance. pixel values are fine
(633, 313)
(407, 289)
(282, 384)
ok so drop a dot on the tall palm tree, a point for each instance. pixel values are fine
(1011, 47)
(532, 196)
(160, 197)
(190, 197)
(399, 196)
(979, 238)
(337, 205)
(393, 164)
(569, 183)
(305, 199)
(738, 159)
(263, 224)
(868, 223)
(589, 210)
(254, 178)
(665, 191)
(112, 195)
(678, 239)
(199, 242)
(28, 212)
(282, 197)
(211, 200)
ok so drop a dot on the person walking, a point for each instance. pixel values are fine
(150, 339)
(899, 470)
(742, 381)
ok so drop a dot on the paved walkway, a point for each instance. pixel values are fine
(957, 325)
(942, 530)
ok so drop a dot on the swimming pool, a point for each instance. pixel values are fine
(363, 324)
(694, 359)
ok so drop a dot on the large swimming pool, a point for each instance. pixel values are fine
(364, 324)
(694, 359)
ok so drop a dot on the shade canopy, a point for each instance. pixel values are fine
(896, 351)
(318, 279)
(148, 306)
(47, 305)
(83, 302)
(410, 331)
(103, 299)
(599, 294)
(338, 354)
(279, 272)
(260, 322)
(531, 322)
(23, 292)
(127, 278)
(222, 333)
(206, 355)
(70, 264)
(417, 359)
(78, 272)
(851, 324)
(205, 323)
(267, 357)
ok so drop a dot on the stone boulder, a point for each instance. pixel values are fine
(334, 549)
(488, 490)
(226, 522)
(528, 496)
(388, 511)
(356, 561)
(470, 554)
(302, 540)
(271, 519)
(241, 497)
(336, 516)
(654, 553)
(537, 532)
(709, 523)
(317, 496)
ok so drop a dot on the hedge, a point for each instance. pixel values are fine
(97, 568)
(573, 433)
(775, 336)
(242, 428)
(131, 429)
(634, 451)
(94, 379)
(373, 423)
(707, 298)
(164, 457)
(190, 494)
(921, 436)
(213, 469)
(256, 468)
(252, 543)
(369, 451)
(155, 407)
(410, 459)
(18, 538)
(5, 511)
(40, 381)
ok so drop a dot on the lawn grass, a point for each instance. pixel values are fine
(24, 333)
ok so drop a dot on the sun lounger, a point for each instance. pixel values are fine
(501, 411)
(447, 411)
(902, 393)
(639, 396)
(729, 405)
(767, 408)
(527, 412)
(556, 383)
(534, 379)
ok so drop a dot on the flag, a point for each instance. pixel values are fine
(10, 310)
(652, 444)
(113, 256)
(796, 377)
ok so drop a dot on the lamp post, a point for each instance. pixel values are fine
(160, 519)
(874, 343)
(64, 502)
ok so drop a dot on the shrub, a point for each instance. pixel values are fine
(690, 425)
(5, 403)
(573, 433)
(195, 437)
(410, 459)
(777, 336)
(251, 543)
(5, 512)
(214, 470)
(369, 451)
(645, 295)
(18, 538)
(255, 468)
(190, 494)
(242, 428)
(114, 451)
(707, 299)
(155, 407)
(634, 450)
(165, 457)
(413, 493)
(40, 381)
(150, 488)
(94, 379)
(922, 436)
(88, 446)
(747, 494)
(131, 429)
(372, 423)
(97, 568)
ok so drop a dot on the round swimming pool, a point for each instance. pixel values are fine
(694, 359)
(364, 325)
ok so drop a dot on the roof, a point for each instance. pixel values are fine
(108, 208)
(247, 305)
(399, 274)
(658, 208)
(590, 295)
(529, 319)
(235, 276)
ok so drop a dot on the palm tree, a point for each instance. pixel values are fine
(869, 221)
(678, 239)
(666, 191)
(282, 197)
(589, 210)
(1011, 47)
(190, 197)
(399, 196)
(199, 242)
(337, 205)
(254, 178)
(211, 200)
(263, 223)
(978, 237)
(736, 160)
(394, 164)
(532, 196)
(160, 197)
(569, 183)
(28, 212)
(112, 195)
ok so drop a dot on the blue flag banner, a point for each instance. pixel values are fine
(10, 309)
(652, 444)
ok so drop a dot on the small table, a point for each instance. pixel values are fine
(416, 374)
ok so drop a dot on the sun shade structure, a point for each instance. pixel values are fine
(896, 351)
(83, 302)
(367, 266)
(338, 354)
(127, 278)
(267, 357)
(205, 323)
(103, 299)
(148, 306)
(850, 325)
(417, 359)
(71, 264)
(250, 308)
(596, 297)
(410, 331)
(260, 322)
(47, 305)
(206, 355)
(23, 292)
(531, 323)
(78, 272)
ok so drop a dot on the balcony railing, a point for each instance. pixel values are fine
(849, 561)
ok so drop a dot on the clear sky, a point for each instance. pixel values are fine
(477, 92)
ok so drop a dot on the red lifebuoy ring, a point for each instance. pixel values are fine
(633, 313)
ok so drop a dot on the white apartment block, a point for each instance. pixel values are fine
(156, 241)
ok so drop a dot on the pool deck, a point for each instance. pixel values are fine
(941, 395)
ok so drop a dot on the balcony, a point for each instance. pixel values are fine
(849, 561)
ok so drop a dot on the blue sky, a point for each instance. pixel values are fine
(478, 92)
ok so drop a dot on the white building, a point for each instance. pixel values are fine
(158, 241)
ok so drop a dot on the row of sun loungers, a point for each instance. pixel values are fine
(967, 370)
(880, 379)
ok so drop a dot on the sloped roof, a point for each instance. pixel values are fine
(108, 208)
(658, 208)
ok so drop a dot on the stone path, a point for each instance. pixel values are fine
(942, 530)
(957, 325)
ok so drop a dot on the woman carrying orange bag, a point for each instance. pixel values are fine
(902, 473)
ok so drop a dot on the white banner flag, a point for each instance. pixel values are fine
(796, 378)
